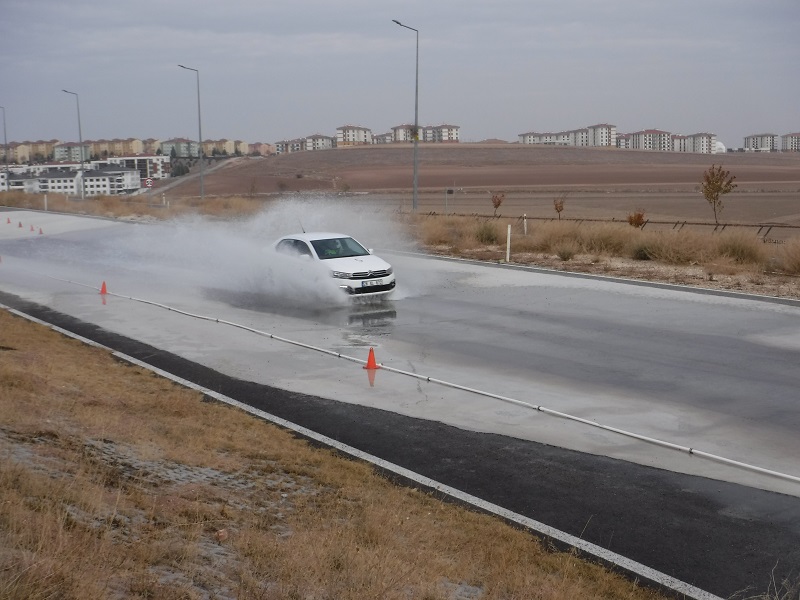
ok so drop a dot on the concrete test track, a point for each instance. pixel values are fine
(702, 371)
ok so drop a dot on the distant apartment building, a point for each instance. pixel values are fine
(651, 139)
(546, 139)
(593, 136)
(382, 138)
(602, 135)
(153, 166)
(353, 135)
(403, 133)
(116, 147)
(72, 151)
(182, 147)
(790, 142)
(761, 142)
(700, 143)
(441, 134)
(320, 142)
(109, 181)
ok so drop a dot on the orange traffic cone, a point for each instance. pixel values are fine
(371, 367)
(32, 229)
(20, 224)
(103, 289)
(8, 220)
(40, 231)
(371, 364)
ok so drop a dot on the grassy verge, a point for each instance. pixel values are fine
(190, 499)
(567, 239)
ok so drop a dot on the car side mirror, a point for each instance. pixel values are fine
(369, 250)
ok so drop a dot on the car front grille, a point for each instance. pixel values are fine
(369, 275)
(372, 289)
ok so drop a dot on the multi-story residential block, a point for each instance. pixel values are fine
(353, 135)
(153, 166)
(382, 138)
(703, 143)
(261, 148)
(95, 182)
(624, 141)
(602, 135)
(72, 151)
(594, 135)
(442, 134)
(790, 142)
(403, 133)
(183, 148)
(320, 142)
(151, 146)
(651, 139)
(761, 142)
(680, 143)
(547, 139)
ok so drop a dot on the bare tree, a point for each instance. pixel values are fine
(716, 183)
(558, 204)
(497, 200)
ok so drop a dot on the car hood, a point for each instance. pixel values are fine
(357, 264)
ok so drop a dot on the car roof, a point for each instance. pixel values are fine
(315, 235)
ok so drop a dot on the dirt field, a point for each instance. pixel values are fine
(596, 183)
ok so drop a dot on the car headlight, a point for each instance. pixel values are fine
(340, 275)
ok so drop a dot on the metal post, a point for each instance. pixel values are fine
(80, 139)
(416, 117)
(199, 131)
(5, 145)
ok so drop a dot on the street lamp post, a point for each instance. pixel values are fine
(80, 137)
(199, 131)
(416, 115)
(5, 150)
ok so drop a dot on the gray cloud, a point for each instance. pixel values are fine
(280, 70)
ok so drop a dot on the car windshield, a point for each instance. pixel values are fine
(338, 248)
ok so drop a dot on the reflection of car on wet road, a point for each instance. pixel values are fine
(356, 270)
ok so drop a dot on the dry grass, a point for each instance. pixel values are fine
(191, 499)
(135, 206)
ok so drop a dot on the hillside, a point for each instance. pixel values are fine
(485, 166)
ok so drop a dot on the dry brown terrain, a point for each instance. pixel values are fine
(598, 183)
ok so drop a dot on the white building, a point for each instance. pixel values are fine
(319, 142)
(353, 135)
(601, 135)
(152, 166)
(790, 142)
(403, 133)
(761, 142)
(71, 151)
(651, 139)
(183, 147)
(547, 139)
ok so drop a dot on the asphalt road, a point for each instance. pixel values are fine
(716, 373)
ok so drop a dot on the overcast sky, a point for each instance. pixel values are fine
(273, 70)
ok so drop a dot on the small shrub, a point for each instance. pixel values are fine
(636, 218)
(486, 233)
(789, 257)
(548, 235)
(604, 238)
(566, 250)
(741, 247)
